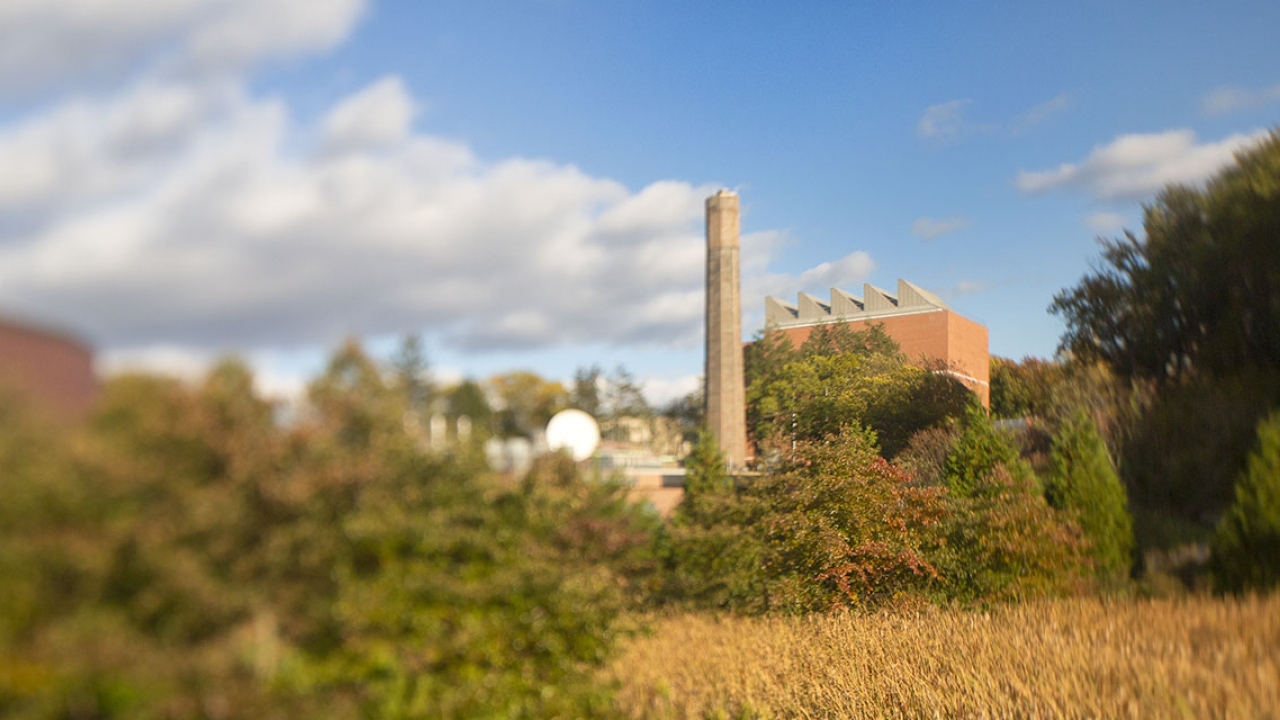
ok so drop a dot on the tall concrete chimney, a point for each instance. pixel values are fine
(725, 393)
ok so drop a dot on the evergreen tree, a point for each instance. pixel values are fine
(1083, 482)
(1246, 549)
(712, 551)
(978, 452)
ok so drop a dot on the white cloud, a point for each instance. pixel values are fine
(184, 218)
(1134, 167)
(1042, 113)
(51, 43)
(1224, 100)
(968, 287)
(929, 228)
(175, 361)
(1106, 222)
(86, 151)
(848, 273)
(661, 391)
(943, 121)
(376, 117)
(851, 269)
(948, 122)
(171, 213)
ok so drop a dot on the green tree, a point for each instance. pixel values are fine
(412, 375)
(1187, 312)
(713, 558)
(1201, 291)
(467, 399)
(840, 338)
(846, 377)
(1005, 543)
(1246, 548)
(527, 402)
(1023, 389)
(585, 394)
(978, 451)
(1083, 482)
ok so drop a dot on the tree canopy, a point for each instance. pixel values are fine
(841, 376)
(1199, 292)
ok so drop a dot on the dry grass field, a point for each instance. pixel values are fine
(1090, 658)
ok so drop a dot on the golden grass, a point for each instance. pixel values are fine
(1086, 658)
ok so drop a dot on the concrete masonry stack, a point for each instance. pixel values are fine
(725, 392)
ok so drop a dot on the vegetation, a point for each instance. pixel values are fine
(185, 556)
(977, 453)
(1196, 295)
(1084, 483)
(1187, 314)
(1072, 658)
(834, 525)
(838, 377)
(1246, 549)
(1023, 389)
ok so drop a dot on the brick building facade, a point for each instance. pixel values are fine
(924, 327)
(52, 368)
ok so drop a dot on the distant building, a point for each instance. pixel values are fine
(52, 368)
(921, 323)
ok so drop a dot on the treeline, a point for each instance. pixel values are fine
(185, 555)
(1173, 345)
(882, 483)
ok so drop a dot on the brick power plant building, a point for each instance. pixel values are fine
(922, 324)
(925, 328)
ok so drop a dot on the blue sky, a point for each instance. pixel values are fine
(521, 182)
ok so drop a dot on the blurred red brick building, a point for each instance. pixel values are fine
(52, 368)
(924, 327)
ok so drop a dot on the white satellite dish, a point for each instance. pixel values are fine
(574, 431)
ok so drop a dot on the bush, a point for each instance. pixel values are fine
(834, 525)
(1246, 549)
(1083, 482)
(846, 529)
(925, 456)
(185, 556)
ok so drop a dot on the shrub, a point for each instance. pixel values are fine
(846, 529)
(1246, 549)
(925, 456)
(834, 525)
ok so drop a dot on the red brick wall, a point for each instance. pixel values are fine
(55, 371)
(933, 336)
(969, 352)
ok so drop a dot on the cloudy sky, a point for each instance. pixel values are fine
(522, 182)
